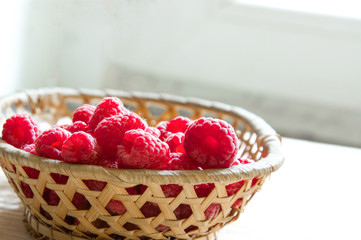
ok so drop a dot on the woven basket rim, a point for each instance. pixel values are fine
(267, 136)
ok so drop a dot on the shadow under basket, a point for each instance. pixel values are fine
(65, 220)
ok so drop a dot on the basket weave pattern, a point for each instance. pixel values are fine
(258, 142)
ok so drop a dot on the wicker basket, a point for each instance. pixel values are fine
(258, 142)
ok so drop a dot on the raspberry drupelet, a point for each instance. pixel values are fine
(19, 130)
(175, 142)
(154, 131)
(211, 143)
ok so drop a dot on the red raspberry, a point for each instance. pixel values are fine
(175, 142)
(171, 190)
(32, 172)
(115, 207)
(234, 187)
(50, 142)
(80, 202)
(239, 161)
(154, 131)
(20, 129)
(142, 150)
(150, 209)
(95, 185)
(211, 143)
(71, 220)
(203, 190)
(26, 190)
(110, 132)
(51, 197)
(108, 163)
(30, 148)
(80, 147)
(45, 214)
(98, 223)
(59, 178)
(83, 113)
(212, 211)
(180, 161)
(178, 124)
(109, 106)
(99, 185)
(183, 211)
(77, 127)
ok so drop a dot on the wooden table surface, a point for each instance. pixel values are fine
(316, 194)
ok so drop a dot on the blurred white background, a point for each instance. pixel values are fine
(296, 65)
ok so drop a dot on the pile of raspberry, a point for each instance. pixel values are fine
(111, 136)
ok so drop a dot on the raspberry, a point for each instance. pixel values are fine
(80, 147)
(115, 207)
(154, 131)
(110, 132)
(45, 214)
(234, 187)
(178, 124)
(20, 129)
(83, 113)
(32, 172)
(80, 202)
(175, 142)
(59, 178)
(180, 161)
(203, 190)
(51, 197)
(211, 143)
(26, 190)
(142, 150)
(212, 211)
(150, 209)
(171, 190)
(108, 163)
(71, 220)
(185, 211)
(50, 142)
(77, 127)
(30, 148)
(95, 185)
(109, 106)
(239, 161)
(99, 185)
(98, 223)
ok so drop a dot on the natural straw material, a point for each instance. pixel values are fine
(258, 142)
